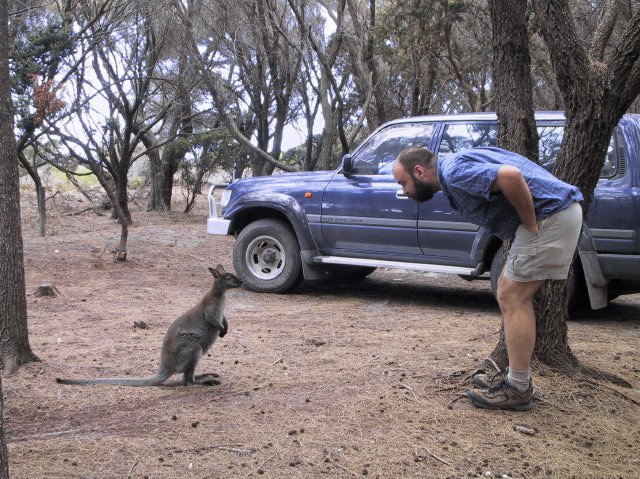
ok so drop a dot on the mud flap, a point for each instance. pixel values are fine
(594, 279)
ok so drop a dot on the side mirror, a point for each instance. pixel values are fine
(347, 164)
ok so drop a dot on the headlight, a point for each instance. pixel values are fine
(226, 196)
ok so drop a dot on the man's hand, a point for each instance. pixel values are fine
(513, 186)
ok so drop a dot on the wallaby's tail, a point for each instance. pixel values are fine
(156, 380)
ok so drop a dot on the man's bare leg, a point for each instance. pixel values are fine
(514, 390)
(515, 300)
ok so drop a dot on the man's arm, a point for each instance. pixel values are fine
(512, 185)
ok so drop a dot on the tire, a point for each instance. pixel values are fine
(497, 264)
(266, 256)
(576, 289)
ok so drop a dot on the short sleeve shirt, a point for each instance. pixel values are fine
(466, 178)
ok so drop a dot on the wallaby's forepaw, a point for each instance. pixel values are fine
(224, 329)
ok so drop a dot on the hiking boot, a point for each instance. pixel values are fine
(481, 380)
(502, 396)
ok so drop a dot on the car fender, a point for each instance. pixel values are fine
(281, 203)
(594, 279)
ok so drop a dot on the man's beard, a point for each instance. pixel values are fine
(423, 191)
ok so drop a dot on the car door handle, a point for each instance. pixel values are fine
(401, 196)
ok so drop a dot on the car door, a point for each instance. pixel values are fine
(365, 213)
(443, 234)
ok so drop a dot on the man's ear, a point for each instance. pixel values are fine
(419, 172)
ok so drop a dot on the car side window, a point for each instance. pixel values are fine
(611, 166)
(550, 138)
(376, 156)
(460, 136)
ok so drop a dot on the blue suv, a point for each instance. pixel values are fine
(350, 221)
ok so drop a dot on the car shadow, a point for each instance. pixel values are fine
(453, 294)
(420, 292)
(619, 310)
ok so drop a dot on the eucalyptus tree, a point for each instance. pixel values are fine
(598, 84)
(43, 39)
(327, 62)
(124, 63)
(178, 83)
(370, 70)
(209, 151)
(14, 340)
(115, 102)
(249, 69)
(598, 79)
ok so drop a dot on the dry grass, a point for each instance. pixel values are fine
(331, 380)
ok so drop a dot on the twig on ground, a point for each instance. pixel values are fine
(340, 466)
(75, 213)
(406, 386)
(220, 447)
(437, 458)
(456, 399)
(135, 463)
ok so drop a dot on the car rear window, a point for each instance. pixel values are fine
(460, 136)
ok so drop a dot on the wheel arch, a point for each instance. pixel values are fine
(276, 206)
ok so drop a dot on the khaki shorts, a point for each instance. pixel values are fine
(548, 253)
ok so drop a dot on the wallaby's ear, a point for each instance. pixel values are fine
(220, 269)
(214, 273)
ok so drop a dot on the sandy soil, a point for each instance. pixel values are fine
(330, 380)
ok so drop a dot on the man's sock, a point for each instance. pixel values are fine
(519, 379)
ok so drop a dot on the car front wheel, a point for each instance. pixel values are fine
(266, 256)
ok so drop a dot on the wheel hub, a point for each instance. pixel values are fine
(269, 256)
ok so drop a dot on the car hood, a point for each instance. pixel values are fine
(283, 182)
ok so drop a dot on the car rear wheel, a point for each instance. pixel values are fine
(266, 256)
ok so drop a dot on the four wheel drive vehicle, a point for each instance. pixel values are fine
(352, 220)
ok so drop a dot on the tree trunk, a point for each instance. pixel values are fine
(120, 251)
(14, 339)
(596, 95)
(512, 78)
(514, 105)
(4, 457)
(123, 200)
(157, 195)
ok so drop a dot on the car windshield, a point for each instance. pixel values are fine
(376, 156)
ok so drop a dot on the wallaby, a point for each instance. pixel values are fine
(187, 339)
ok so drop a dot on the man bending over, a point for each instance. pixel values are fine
(513, 198)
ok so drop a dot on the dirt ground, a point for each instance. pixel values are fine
(331, 380)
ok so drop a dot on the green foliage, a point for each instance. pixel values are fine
(41, 44)
(83, 175)
(136, 182)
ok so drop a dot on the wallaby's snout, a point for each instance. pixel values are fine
(234, 281)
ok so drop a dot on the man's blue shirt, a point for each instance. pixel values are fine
(466, 178)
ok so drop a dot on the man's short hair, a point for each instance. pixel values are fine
(416, 155)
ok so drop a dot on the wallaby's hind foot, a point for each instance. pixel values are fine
(212, 379)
